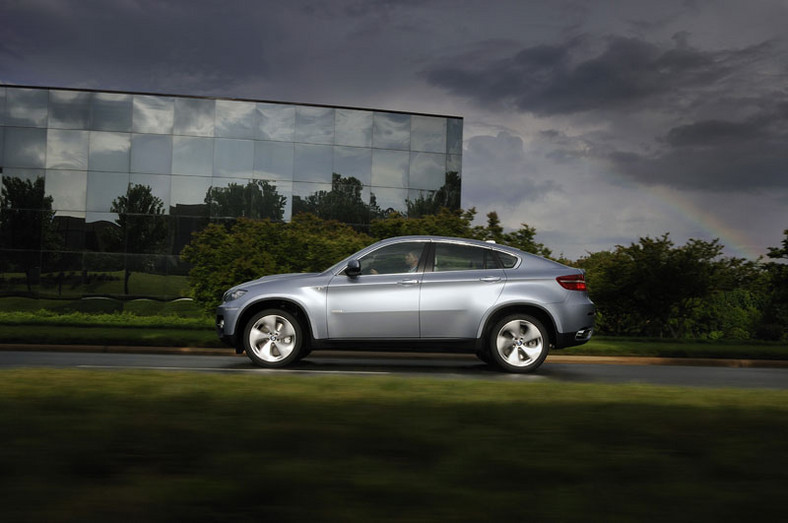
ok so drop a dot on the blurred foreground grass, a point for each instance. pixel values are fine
(145, 446)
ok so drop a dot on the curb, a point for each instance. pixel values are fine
(552, 358)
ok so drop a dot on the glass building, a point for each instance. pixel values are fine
(100, 187)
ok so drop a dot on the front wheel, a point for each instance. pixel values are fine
(519, 343)
(273, 338)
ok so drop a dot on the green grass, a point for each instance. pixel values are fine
(134, 446)
(605, 346)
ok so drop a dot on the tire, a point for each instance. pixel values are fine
(273, 339)
(519, 343)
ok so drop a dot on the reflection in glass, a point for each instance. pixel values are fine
(276, 122)
(111, 112)
(194, 117)
(157, 188)
(273, 160)
(314, 125)
(424, 202)
(313, 163)
(69, 110)
(353, 128)
(346, 200)
(233, 158)
(454, 136)
(68, 190)
(2, 105)
(391, 131)
(109, 151)
(192, 155)
(391, 200)
(153, 114)
(355, 162)
(151, 153)
(428, 134)
(235, 119)
(187, 195)
(103, 188)
(99, 227)
(454, 163)
(26, 107)
(255, 199)
(61, 274)
(390, 168)
(67, 149)
(427, 171)
(25, 147)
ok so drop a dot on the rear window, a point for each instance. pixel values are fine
(507, 260)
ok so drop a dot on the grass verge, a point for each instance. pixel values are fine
(132, 446)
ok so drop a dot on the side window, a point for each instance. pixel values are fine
(393, 259)
(507, 260)
(454, 257)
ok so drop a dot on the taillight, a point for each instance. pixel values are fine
(573, 282)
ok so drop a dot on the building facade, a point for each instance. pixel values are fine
(97, 185)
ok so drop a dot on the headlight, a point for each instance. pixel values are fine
(233, 294)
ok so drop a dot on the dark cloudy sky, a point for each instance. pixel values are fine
(597, 122)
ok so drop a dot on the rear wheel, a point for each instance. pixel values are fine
(273, 338)
(519, 343)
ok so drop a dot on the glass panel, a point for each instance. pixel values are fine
(2, 105)
(69, 110)
(273, 160)
(314, 125)
(353, 128)
(276, 122)
(187, 196)
(454, 136)
(313, 163)
(192, 155)
(453, 257)
(391, 131)
(2, 145)
(26, 107)
(427, 170)
(389, 201)
(194, 117)
(148, 194)
(104, 189)
(153, 114)
(61, 274)
(390, 168)
(67, 149)
(25, 147)
(393, 259)
(68, 190)
(109, 151)
(305, 196)
(236, 119)
(151, 153)
(354, 162)
(24, 232)
(454, 164)
(234, 158)
(105, 273)
(103, 233)
(428, 133)
(182, 228)
(146, 234)
(70, 230)
(507, 260)
(256, 199)
(111, 112)
(24, 188)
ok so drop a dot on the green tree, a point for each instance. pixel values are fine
(26, 226)
(431, 202)
(142, 227)
(343, 202)
(258, 199)
(775, 321)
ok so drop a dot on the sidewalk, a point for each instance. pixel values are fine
(552, 358)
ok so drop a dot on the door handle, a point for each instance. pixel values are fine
(408, 282)
(490, 279)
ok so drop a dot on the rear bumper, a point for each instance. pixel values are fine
(571, 339)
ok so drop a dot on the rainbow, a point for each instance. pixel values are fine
(736, 242)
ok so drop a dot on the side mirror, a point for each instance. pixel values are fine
(353, 268)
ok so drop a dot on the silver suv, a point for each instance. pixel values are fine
(414, 293)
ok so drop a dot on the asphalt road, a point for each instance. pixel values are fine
(557, 368)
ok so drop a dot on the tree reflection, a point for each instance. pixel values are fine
(26, 226)
(343, 202)
(142, 225)
(257, 200)
(447, 196)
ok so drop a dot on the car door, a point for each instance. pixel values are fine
(465, 282)
(383, 301)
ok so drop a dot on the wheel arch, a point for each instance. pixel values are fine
(286, 305)
(532, 310)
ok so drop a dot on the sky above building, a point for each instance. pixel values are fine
(596, 122)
